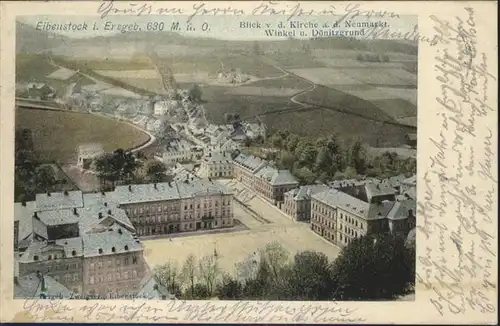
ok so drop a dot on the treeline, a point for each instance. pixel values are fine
(327, 158)
(372, 57)
(370, 268)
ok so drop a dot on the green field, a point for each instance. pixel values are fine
(57, 134)
(285, 82)
(217, 103)
(396, 107)
(36, 68)
(334, 99)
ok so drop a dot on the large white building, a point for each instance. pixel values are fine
(216, 164)
(178, 150)
(164, 107)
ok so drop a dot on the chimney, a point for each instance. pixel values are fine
(100, 215)
(35, 215)
(170, 184)
(23, 203)
(129, 187)
(109, 211)
(154, 185)
(48, 193)
(16, 280)
(66, 193)
(103, 193)
(106, 204)
(75, 211)
(120, 231)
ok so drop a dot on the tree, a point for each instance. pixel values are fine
(168, 275)
(106, 168)
(286, 160)
(305, 175)
(201, 292)
(310, 277)
(230, 288)
(374, 268)
(190, 272)
(45, 177)
(248, 268)
(277, 258)
(155, 170)
(195, 93)
(209, 272)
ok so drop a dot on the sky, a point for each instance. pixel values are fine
(221, 27)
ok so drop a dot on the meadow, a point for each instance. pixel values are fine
(57, 134)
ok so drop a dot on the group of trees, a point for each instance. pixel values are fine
(369, 268)
(124, 167)
(116, 166)
(372, 57)
(195, 93)
(327, 158)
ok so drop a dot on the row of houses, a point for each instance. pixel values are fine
(90, 243)
(339, 211)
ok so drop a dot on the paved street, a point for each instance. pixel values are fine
(236, 246)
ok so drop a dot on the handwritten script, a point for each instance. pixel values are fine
(460, 177)
(165, 311)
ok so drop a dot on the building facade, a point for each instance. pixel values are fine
(216, 164)
(267, 181)
(297, 202)
(85, 242)
(341, 215)
(179, 206)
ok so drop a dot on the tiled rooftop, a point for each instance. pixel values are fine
(72, 247)
(250, 162)
(59, 200)
(112, 241)
(353, 205)
(380, 189)
(30, 286)
(305, 192)
(152, 289)
(401, 209)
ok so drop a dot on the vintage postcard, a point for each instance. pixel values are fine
(254, 162)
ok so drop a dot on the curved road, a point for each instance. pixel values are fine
(311, 106)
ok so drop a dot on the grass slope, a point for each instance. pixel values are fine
(57, 134)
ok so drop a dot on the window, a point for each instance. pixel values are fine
(118, 261)
(125, 275)
(117, 276)
(134, 260)
(100, 264)
(50, 257)
(109, 263)
(75, 277)
(126, 261)
(91, 280)
(110, 277)
(92, 266)
(35, 258)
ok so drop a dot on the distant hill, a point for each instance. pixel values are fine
(31, 40)
(28, 39)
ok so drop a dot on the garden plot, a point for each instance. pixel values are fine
(326, 76)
